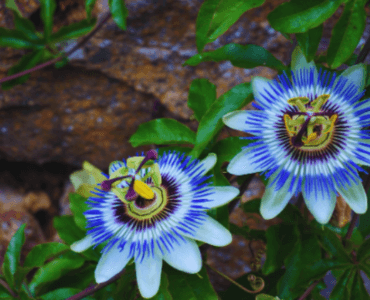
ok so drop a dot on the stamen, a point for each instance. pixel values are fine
(106, 185)
(151, 155)
(319, 101)
(300, 102)
(311, 137)
(143, 190)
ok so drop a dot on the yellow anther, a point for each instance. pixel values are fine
(300, 102)
(332, 120)
(319, 101)
(311, 137)
(143, 190)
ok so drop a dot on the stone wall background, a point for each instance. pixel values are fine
(89, 109)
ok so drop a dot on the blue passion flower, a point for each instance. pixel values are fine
(309, 136)
(151, 209)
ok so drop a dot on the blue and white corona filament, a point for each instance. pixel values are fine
(309, 136)
(151, 209)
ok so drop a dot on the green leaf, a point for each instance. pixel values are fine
(305, 250)
(27, 62)
(202, 93)
(358, 288)
(346, 33)
(26, 26)
(119, 12)
(215, 17)
(221, 214)
(342, 289)
(162, 131)
(89, 5)
(266, 297)
(4, 293)
(72, 31)
(184, 286)
(364, 226)
(13, 255)
(78, 206)
(300, 16)
(12, 5)
(17, 39)
(225, 150)
(47, 11)
(55, 269)
(309, 41)
(67, 229)
(364, 251)
(242, 56)
(163, 293)
(62, 294)
(211, 123)
(249, 234)
(42, 252)
(281, 239)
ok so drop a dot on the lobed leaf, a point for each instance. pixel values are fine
(13, 255)
(74, 30)
(300, 16)
(309, 41)
(47, 12)
(346, 33)
(242, 56)
(215, 17)
(211, 123)
(162, 131)
(202, 93)
(119, 12)
(42, 252)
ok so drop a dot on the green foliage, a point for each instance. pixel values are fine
(119, 12)
(15, 38)
(300, 16)
(249, 56)
(161, 132)
(309, 41)
(42, 252)
(202, 93)
(78, 206)
(215, 17)
(72, 31)
(347, 33)
(48, 8)
(12, 256)
(62, 294)
(89, 5)
(211, 123)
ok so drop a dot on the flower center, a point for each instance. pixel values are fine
(310, 127)
(137, 189)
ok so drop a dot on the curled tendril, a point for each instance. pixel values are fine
(257, 283)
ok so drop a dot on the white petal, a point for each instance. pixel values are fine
(83, 244)
(356, 74)
(208, 163)
(259, 85)
(274, 201)
(221, 196)
(148, 274)
(185, 257)
(212, 232)
(355, 196)
(236, 119)
(112, 262)
(299, 61)
(243, 163)
(320, 203)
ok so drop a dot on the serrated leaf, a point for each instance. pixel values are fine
(300, 16)
(62, 294)
(78, 206)
(242, 56)
(162, 131)
(42, 252)
(211, 123)
(215, 17)
(17, 39)
(55, 269)
(202, 93)
(346, 33)
(13, 255)
(27, 62)
(47, 12)
(119, 12)
(89, 5)
(72, 31)
(309, 41)
(184, 286)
